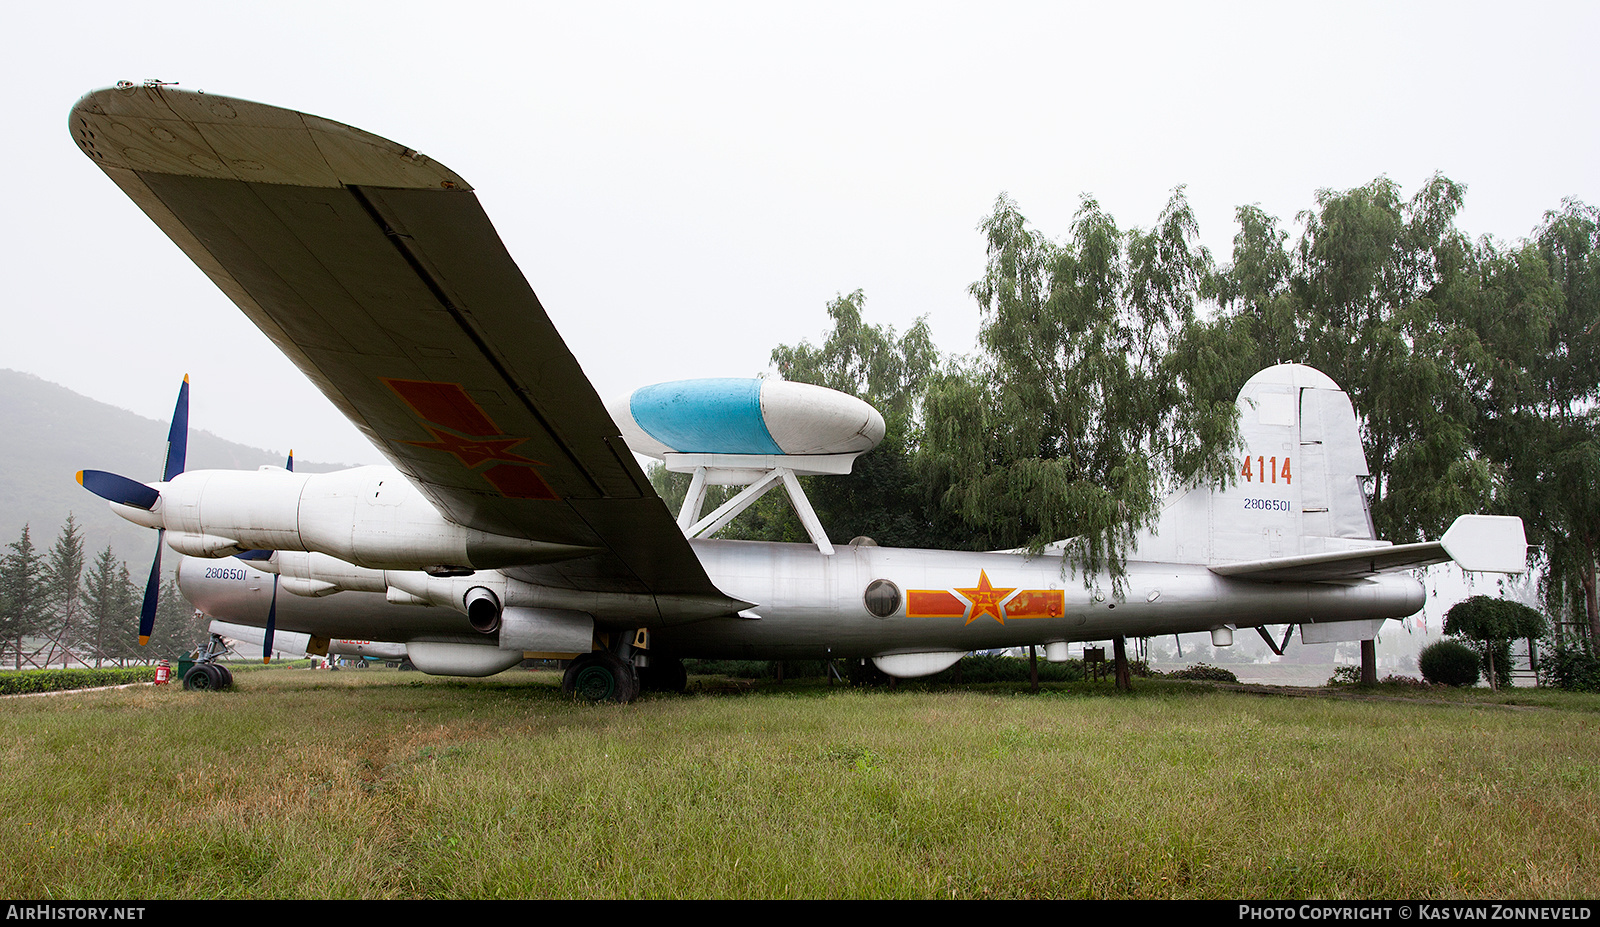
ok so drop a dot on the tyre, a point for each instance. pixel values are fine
(600, 676)
(202, 677)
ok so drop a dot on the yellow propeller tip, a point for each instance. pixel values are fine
(144, 639)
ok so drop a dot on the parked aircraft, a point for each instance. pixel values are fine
(515, 520)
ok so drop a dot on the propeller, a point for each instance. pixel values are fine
(120, 489)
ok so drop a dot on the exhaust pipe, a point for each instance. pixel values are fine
(483, 610)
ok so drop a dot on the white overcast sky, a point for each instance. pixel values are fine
(686, 185)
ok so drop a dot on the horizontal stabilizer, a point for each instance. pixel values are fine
(1490, 543)
(1487, 543)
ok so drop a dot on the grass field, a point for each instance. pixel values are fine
(381, 784)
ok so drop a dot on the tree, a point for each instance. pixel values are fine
(1386, 286)
(178, 627)
(1553, 436)
(1077, 417)
(884, 495)
(63, 576)
(1491, 624)
(23, 609)
(110, 607)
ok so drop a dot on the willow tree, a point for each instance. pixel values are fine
(883, 496)
(1076, 417)
(1386, 288)
(1552, 437)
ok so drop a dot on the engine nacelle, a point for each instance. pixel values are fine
(370, 516)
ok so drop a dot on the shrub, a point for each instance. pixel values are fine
(1204, 672)
(1344, 676)
(990, 667)
(16, 682)
(755, 669)
(1450, 663)
(1571, 669)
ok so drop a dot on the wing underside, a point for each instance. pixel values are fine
(377, 272)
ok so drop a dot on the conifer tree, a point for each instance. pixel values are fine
(23, 608)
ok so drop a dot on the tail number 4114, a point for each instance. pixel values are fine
(1267, 469)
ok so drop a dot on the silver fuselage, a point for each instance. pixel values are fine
(810, 605)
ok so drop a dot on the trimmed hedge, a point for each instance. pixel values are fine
(19, 682)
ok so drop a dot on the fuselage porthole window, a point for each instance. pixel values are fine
(882, 598)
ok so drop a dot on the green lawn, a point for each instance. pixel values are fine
(381, 784)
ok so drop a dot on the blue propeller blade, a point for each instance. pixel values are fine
(178, 434)
(272, 621)
(120, 489)
(152, 593)
(290, 464)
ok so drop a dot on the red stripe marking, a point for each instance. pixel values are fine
(928, 603)
(1037, 603)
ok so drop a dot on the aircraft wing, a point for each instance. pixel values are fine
(378, 273)
(1488, 543)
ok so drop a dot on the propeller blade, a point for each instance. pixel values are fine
(178, 434)
(272, 621)
(255, 555)
(290, 465)
(119, 489)
(152, 593)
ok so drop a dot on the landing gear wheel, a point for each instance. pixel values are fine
(600, 676)
(225, 673)
(207, 677)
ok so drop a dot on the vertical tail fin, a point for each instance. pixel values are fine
(1299, 480)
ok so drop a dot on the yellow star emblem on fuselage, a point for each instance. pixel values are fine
(985, 599)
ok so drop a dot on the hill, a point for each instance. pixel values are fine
(55, 432)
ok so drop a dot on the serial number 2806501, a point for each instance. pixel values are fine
(224, 573)
(1267, 505)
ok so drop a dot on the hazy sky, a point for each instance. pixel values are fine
(686, 185)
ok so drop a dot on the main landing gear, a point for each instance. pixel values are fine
(207, 675)
(606, 676)
(601, 676)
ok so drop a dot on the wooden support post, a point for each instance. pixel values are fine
(1369, 663)
(1033, 667)
(1124, 677)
